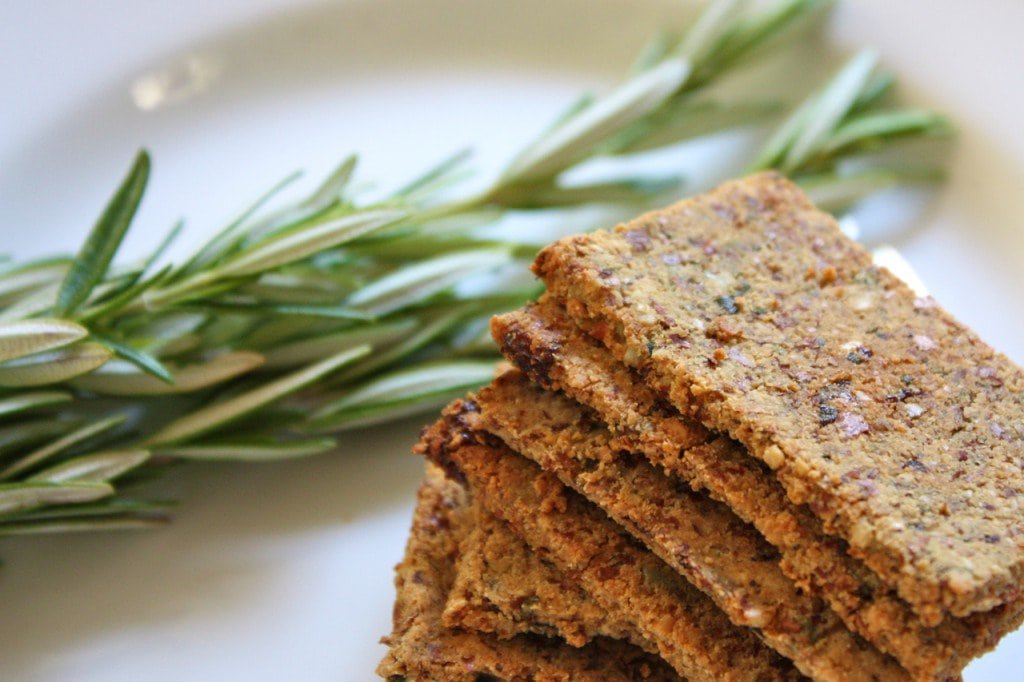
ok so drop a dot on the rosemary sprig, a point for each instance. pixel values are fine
(332, 313)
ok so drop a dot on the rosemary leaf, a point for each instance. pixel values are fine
(250, 451)
(25, 337)
(378, 335)
(140, 358)
(223, 242)
(829, 108)
(19, 497)
(31, 400)
(54, 366)
(92, 261)
(71, 525)
(28, 433)
(302, 243)
(22, 281)
(572, 140)
(416, 283)
(221, 413)
(877, 126)
(61, 444)
(395, 393)
(116, 507)
(95, 467)
(122, 379)
(431, 328)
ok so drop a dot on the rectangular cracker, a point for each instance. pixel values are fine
(503, 587)
(591, 550)
(421, 648)
(700, 538)
(897, 424)
(544, 343)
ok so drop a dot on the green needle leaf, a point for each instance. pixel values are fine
(707, 31)
(31, 277)
(98, 251)
(294, 246)
(830, 107)
(25, 337)
(123, 379)
(54, 366)
(20, 497)
(96, 467)
(251, 452)
(378, 335)
(886, 124)
(218, 414)
(81, 525)
(403, 392)
(139, 358)
(572, 140)
(22, 402)
(61, 444)
(118, 507)
(415, 283)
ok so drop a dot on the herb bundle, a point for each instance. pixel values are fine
(293, 324)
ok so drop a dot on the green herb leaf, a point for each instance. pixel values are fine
(71, 525)
(397, 392)
(221, 413)
(829, 108)
(20, 497)
(576, 137)
(299, 244)
(122, 379)
(98, 251)
(54, 366)
(95, 467)
(139, 358)
(417, 283)
(25, 337)
(61, 444)
(31, 400)
(259, 451)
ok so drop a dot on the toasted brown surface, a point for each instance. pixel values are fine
(588, 548)
(504, 587)
(702, 539)
(540, 339)
(421, 648)
(755, 314)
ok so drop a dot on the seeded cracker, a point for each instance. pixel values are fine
(420, 648)
(502, 586)
(587, 547)
(900, 428)
(541, 340)
(701, 539)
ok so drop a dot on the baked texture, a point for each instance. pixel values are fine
(502, 586)
(698, 537)
(421, 648)
(900, 428)
(588, 548)
(543, 342)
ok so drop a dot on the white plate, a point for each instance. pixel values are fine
(283, 571)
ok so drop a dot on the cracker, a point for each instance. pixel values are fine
(896, 423)
(502, 586)
(591, 550)
(700, 538)
(421, 648)
(542, 341)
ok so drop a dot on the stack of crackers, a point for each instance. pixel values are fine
(726, 446)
